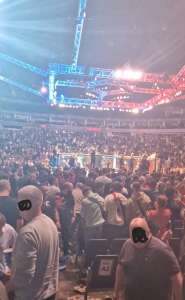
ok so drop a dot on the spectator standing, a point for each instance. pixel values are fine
(50, 207)
(115, 204)
(8, 237)
(8, 207)
(147, 270)
(91, 214)
(36, 254)
(172, 203)
(161, 216)
(8, 234)
(67, 215)
(78, 197)
(138, 204)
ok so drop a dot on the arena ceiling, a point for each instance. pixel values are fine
(142, 33)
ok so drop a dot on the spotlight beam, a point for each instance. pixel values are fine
(23, 64)
(20, 86)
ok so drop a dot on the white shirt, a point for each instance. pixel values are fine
(91, 211)
(78, 197)
(112, 206)
(7, 240)
(8, 237)
(35, 261)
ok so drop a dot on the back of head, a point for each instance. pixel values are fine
(79, 185)
(161, 187)
(67, 186)
(117, 187)
(151, 183)
(5, 186)
(136, 186)
(162, 201)
(86, 190)
(170, 193)
(52, 191)
(99, 188)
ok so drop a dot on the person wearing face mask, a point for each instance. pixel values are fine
(147, 268)
(35, 260)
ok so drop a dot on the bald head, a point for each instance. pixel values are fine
(32, 193)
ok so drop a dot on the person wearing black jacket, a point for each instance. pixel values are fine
(66, 215)
(8, 206)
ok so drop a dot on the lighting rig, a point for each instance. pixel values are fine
(125, 89)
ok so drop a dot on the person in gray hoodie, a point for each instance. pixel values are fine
(92, 215)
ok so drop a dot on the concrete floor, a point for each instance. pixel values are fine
(69, 279)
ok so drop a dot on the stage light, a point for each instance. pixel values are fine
(61, 105)
(44, 90)
(128, 74)
(118, 74)
(178, 93)
(147, 109)
(137, 75)
(132, 74)
(135, 110)
(161, 102)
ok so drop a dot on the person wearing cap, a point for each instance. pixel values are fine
(35, 260)
(147, 268)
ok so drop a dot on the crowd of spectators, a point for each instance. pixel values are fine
(39, 144)
(84, 204)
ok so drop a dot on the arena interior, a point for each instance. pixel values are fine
(92, 150)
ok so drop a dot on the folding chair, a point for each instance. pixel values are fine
(178, 232)
(117, 245)
(95, 247)
(178, 223)
(101, 275)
